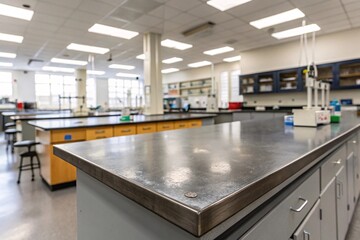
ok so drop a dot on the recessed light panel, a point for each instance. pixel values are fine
(278, 18)
(58, 69)
(112, 31)
(93, 72)
(172, 60)
(86, 48)
(5, 64)
(232, 59)
(296, 31)
(175, 44)
(11, 38)
(199, 64)
(224, 5)
(7, 55)
(119, 66)
(170, 70)
(16, 12)
(219, 51)
(68, 61)
(127, 75)
(141, 56)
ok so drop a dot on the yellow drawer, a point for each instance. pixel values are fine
(164, 126)
(181, 124)
(146, 128)
(68, 135)
(99, 132)
(124, 130)
(195, 123)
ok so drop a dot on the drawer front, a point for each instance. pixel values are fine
(181, 124)
(146, 128)
(125, 130)
(68, 135)
(164, 126)
(332, 165)
(310, 228)
(288, 214)
(99, 133)
(195, 123)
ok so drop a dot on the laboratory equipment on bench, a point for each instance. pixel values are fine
(313, 115)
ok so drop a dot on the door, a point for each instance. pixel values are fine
(341, 203)
(328, 214)
(310, 227)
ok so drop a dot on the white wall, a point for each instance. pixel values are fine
(24, 86)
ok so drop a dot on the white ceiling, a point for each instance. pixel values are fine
(56, 23)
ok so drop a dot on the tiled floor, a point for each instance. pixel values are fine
(31, 211)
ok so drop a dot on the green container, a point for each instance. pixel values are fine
(125, 118)
(335, 119)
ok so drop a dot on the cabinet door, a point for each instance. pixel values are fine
(310, 227)
(356, 143)
(328, 214)
(350, 186)
(341, 204)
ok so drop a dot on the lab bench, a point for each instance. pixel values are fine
(239, 180)
(58, 174)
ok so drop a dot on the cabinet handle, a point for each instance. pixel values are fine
(306, 235)
(126, 131)
(354, 142)
(99, 131)
(301, 207)
(148, 128)
(338, 162)
(338, 190)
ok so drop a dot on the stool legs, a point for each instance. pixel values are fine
(20, 170)
(32, 169)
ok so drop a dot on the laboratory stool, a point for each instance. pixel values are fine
(30, 154)
(10, 136)
(7, 126)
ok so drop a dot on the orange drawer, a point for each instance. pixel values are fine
(164, 126)
(146, 128)
(68, 135)
(181, 124)
(125, 130)
(99, 132)
(195, 123)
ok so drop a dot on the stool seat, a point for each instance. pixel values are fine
(12, 131)
(10, 136)
(9, 124)
(25, 143)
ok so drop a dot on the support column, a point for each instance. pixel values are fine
(81, 90)
(152, 74)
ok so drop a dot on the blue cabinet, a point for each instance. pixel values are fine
(289, 80)
(348, 74)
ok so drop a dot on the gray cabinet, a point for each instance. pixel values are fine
(310, 227)
(341, 204)
(350, 186)
(328, 214)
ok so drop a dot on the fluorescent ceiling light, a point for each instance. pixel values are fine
(93, 72)
(170, 70)
(175, 44)
(58, 69)
(11, 38)
(232, 59)
(172, 60)
(278, 18)
(16, 12)
(67, 61)
(5, 64)
(7, 55)
(218, 51)
(86, 48)
(141, 56)
(112, 31)
(128, 75)
(296, 31)
(224, 5)
(199, 64)
(119, 66)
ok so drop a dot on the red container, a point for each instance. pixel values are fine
(235, 105)
(20, 106)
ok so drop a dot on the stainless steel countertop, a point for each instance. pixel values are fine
(228, 165)
(52, 124)
(63, 115)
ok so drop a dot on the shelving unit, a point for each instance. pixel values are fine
(325, 73)
(192, 88)
(247, 84)
(266, 82)
(288, 80)
(349, 75)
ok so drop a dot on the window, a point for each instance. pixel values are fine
(6, 84)
(48, 88)
(91, 92)
(119, 90)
